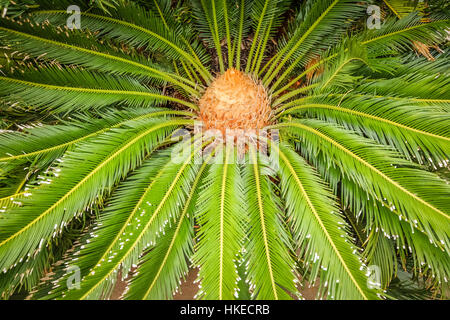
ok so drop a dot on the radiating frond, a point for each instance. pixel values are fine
(380, 172)
(388, 235)
(48, 142)
(219, 212)
(74, 47)
(403, 8)
(64, 91)
(398, 35)
(265, 16)
(155, 199)
(414, 130)
(393, 37)
(270, 269)
(138, 28)
(320, 231)
(86, 173)
(324, 16)
(160, 271)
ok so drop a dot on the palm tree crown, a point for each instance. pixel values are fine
(350, 178)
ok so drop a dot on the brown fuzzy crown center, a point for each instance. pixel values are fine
(235, 101)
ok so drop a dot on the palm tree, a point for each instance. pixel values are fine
(352, 188)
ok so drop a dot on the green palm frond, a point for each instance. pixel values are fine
(15, 9)
(391, 177)
(269, 259)
(219, 213)
(394, 36)
(210, 18)
(399, 34)
(96, 261)
(163, 267)
(314, 216)
(53, 140)
(82, 50)
(429, 87)
(88, 90)
(323, 17)
(107, 5)
(136, 27)
(386, 235)
(241, 28)
(48, 213)
(402, 8)
(167, 263)
(265, 17)
(412, 129)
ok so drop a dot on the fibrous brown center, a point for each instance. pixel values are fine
(235, 101)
